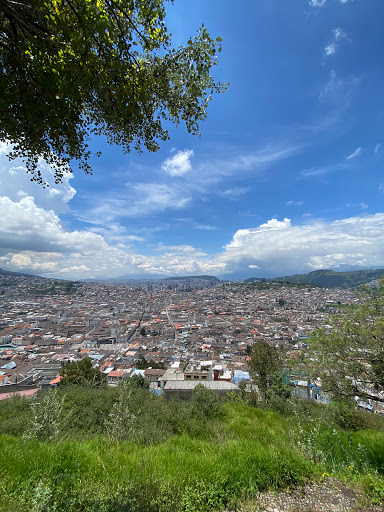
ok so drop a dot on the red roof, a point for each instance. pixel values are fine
(116, 373)
(27, 392)
(56, 380)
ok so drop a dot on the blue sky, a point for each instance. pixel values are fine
(287, 176)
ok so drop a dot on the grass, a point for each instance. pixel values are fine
(236, 455)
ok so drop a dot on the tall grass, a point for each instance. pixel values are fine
(227, 459)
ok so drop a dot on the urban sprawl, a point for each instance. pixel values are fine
(174, 334)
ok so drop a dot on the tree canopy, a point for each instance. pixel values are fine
(82, 373)
(73, 68)
(264, 364)
(348, 355)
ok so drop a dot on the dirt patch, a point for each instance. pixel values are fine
(331, 495)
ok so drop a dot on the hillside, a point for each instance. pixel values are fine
(329, 278)
(126, 449)
(17, 274)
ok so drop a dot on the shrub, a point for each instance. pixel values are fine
(204, 403)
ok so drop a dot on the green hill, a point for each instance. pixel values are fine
(329, 278)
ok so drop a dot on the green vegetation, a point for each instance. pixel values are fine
(126, 449)
(265, 365)
(349, 355)
(82, 373)
(325, 278)
(142, 364)
(57, 288)
(74, 68)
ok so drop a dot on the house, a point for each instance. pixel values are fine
(4, 380)
(116, 376)
(153, 376)
(184, 389)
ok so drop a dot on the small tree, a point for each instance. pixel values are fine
(82, 373)
(122, 417)
(47, 416)
(205, 402)
(280, 387)
(265, 361)
(348, 356)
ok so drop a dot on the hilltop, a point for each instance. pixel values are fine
(328, 278)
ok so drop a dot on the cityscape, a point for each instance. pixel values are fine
(187, 333)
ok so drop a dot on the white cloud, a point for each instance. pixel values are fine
(317, 3)
(179, 164)
(140, 200)
(154, 197)
(215, 171)
(331, 84)
(144, 199)
(364, 206)
(279, 247)
(34, 240)
(330, 49)
(377, 148)
(354, 154)
(294, 203)
(15, 183)
(235, 192)
(197, 225)
(205, 227)
(320, 171)
(338, 35)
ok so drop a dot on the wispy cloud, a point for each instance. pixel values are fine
(354, 154)
(337, 35)
(320, 3)
(294, 203)
(364, 206)
(331, 85)
(330, 49)
(377, 148)
(313, 171)
(179, 164)
(205, 227)
(197, 225)
(235, 192)
(214, 171)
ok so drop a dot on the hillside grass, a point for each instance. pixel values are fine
(235, 454)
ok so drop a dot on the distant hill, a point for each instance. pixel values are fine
(329, 278)
(159, 280)
(192, 278)
(16, 274)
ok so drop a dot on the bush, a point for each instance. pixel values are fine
(346, 415)
(14, 415)
(204, 403)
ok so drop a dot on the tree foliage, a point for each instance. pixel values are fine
(265, 361)
(72, 68)
(204, 403)
(81, 373)
(46, 420)
(349, 355)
